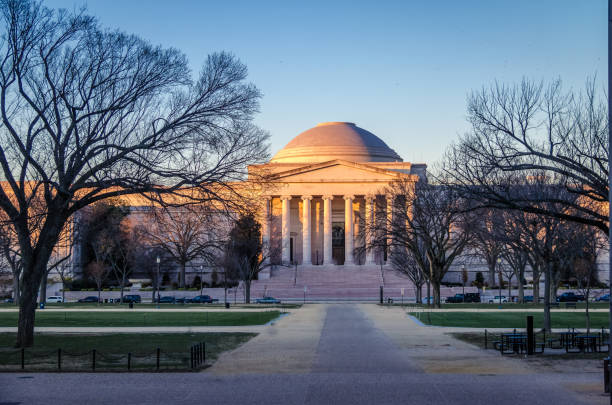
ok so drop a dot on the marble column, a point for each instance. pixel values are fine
(389, 199)
(348, 229)
(306, 230)
(265, 227)
(285, 228)
(327, 229)
(369, 228)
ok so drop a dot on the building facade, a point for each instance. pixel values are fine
(330, 184)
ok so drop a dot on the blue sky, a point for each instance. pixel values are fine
(401, 70)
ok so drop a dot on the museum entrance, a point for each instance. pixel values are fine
(338, 242)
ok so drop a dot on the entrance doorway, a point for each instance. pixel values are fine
(338, 242)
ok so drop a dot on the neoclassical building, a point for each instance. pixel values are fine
(330, 186)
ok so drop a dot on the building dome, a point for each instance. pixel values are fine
(336, 140)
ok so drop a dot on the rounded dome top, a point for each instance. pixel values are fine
(336, 140)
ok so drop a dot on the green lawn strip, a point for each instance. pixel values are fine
(511, 319)
(80, 305)
(579, 305)
(112, 350)
(124, 318)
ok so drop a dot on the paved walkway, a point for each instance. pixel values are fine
(329, 354)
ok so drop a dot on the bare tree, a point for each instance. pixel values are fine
(430, 218)
(98, 272)
(405, 262)
(245, 254)
(89, 114)
(533, 130)
(185, 234)
(487, 239)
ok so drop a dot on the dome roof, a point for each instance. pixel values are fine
(336, 140)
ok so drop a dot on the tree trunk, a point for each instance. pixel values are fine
(536, 290)
(123, 286)
(491, 266)
(182, 280)
(428, 293)
(43, 289)
(247, 291)
(510, 289)
(16, 287)
(547, 298)
(30, 283)
(521, 291)
(436, 291)
(587, 314)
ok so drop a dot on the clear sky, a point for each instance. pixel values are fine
(400, 69)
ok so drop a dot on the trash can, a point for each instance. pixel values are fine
(131, 305)
(42, 305)
(106, 300)
(227, 305)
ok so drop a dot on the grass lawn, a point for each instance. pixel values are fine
(112, 350)
(511, 319)
(579, 305)
(80, 305)
(125, 318)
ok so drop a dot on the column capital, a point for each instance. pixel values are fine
(327, 197)
(370, 198)
(349, 197)
(266, 197)
(306, 197)
(285, 197)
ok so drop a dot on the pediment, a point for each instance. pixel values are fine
(338, 171)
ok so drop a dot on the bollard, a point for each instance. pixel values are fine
(530, 335)
(59, 359)
(157, 359)
(607, 374)
(129, 361)
(93, 360)
(381, 294)
(485, 339)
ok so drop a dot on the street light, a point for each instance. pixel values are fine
(158, 261)
(500, 280)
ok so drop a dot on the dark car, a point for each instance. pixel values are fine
(9, 301)
(91, 298)
(570, 297)
(132, 299)
(469, 297)
(182, 300)
(167, 300)
(605, 297)
(528, 298)
(203, 299)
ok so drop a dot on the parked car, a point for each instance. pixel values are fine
(497, 299)
(267, 300)
(605, 297)
(203, 299)
(570, 297)
(132, 299)
(9, 301)
(424, 300)
(528, 298)
(91, 298)
(54, 298)
(182, 300)
(167, 300)
(458, 298)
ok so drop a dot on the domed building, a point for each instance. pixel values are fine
(328, 181)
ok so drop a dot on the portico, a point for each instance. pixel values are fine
(330, 187)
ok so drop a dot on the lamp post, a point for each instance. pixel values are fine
(158, 280)
(201, 287)
(500, 280)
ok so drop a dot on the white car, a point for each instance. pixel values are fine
(54, 298)
(495, 300)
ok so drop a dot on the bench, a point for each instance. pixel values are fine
(570, 305)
